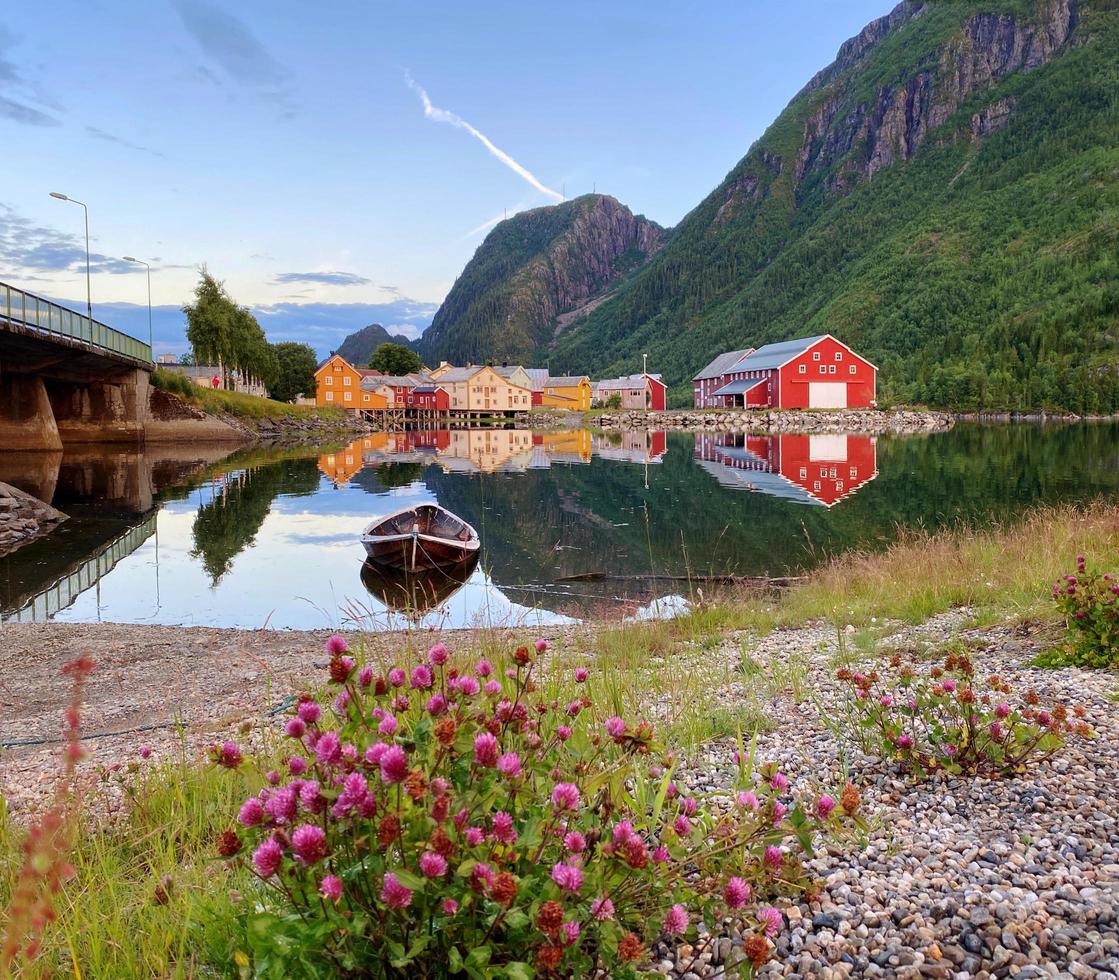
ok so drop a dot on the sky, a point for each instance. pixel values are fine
(338, 164)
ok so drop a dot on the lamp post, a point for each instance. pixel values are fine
(88, 294)
(130, 258)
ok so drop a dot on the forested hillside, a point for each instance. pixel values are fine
(944, 198)
(359, 346)
(511, 299)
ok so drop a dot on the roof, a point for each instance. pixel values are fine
(393, 380)
(722, 364)
(538, 377)
(429, 389)
(738, 387)
(774, 355)
(759, 481)
(508, 370)
(567, 381)
(629, 381)
(368, 373)
(454, 374)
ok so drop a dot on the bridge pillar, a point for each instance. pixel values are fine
(112, 410)
(26, 419)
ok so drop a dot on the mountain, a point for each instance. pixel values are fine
(359, 346)
(532, 272)
(944, 197)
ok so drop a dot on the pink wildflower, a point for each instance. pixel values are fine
(281, 805)
(623, 832)
(747, 800)
(676, 921)
(387, 726)
(615, 727)
(474, 836)
(568, 877)
(563, 733)
(503, 831)
(485, 750)
(297, 765)
(683, 826)
(770, 918)
(824, 806)
(565, 796)
(469, 686)
(433, 865)
(394, 894)
(483, 668)
(439, 787)
(437, 655)
(436, 704)
(736, 893)
(571, 932)
(575, 842)
(145, 751)
(509, 765)
(331, 887)
(660, 854)
(905, 742)
(227, 754)
(394, 765)
(267, 858)
(308, 843)
(1002, 710)
(773, 856)
(602, 909)
(949, 685)
(272, 777)
(296, 727)
(251, 812)
(328, 749)
(541, 646)
(581, 675)
(397, 677)
(308, 712)
(450, 906)
(336, 645)
(365, 677)
(374, 752)
(309, 796)
(492, 688)
(779, 781)
(422, 677)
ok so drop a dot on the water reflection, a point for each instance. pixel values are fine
(415, 594)
(187, 536)
(818, 469)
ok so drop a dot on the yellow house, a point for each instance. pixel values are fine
(482, 389)
(338, 384)
(573, 392)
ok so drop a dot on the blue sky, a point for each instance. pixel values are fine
(287, 145)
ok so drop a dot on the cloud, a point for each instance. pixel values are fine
(328, 278)
(486, 225)
(444, 116)
(229, 44)
(20, 113)
(101, 134)
(11, 76)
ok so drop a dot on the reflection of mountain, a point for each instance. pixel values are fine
(808, 469)
(227, 523)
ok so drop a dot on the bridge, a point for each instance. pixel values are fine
(66, 378)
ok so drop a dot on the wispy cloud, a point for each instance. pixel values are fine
(486, 225)
(229, 45)
(100, 134)
(20, 113)
(444, 116)
(328, 278)
(13, 79)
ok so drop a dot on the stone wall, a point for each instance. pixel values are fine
(23, 518)
(870, 422)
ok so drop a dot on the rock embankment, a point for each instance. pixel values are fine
(23, 518)
(870, 422)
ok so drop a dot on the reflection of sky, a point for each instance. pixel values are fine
(301, 572)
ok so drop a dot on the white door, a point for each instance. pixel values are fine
(827, 394)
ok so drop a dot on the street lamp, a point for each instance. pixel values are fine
(88, 294)
(130, 258)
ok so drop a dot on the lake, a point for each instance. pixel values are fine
(190, 535)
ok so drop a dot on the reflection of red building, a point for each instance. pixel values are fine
(636, 446)
(810, 469)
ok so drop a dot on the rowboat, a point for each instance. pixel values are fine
(415, 593)
(427, 536)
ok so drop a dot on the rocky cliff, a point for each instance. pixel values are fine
(532, 272)
(917, 198)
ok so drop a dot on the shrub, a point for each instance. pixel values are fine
(440, 820)
(946, 719)
(1089, 602)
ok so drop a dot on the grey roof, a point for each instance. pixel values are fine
(759, 481)
(427, 389)
(774, 355)
(459, 374)
(567, 380)
(722, 364)
(538, 377)
(506, 370)
(629, 381)
(394, 381)
(738, 387)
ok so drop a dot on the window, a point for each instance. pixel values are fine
(804, 472)
(365, 398)
(823, 369)
(854, 472)
(346, 380)
(823, 472)
(851, 369)
(839, 485)
(349, 395)
(329, 394)
(831, 369)
(816, 485)
(839, 355)
(329, 380)
(803, 369)
(815, 355)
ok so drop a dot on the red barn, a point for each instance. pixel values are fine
(721, 371)
(429, 398)
(815, 372)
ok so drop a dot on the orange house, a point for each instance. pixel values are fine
(338, 384)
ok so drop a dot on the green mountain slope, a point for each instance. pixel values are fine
(944, 197)
(359, 346)
(532, 271)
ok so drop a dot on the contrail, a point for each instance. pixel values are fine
(485, 225)
(442, 115)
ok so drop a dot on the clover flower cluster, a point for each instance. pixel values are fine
(439, 812)
(945, 718)
(1089, 602)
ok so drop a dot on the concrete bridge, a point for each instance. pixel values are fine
(67, 379)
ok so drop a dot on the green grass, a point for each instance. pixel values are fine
(218, 402)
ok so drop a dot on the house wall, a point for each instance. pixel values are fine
(827, 354)
(574, 397)
(336, 379)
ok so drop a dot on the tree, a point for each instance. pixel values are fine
(187, 359)
(295, 372)
(395, 359)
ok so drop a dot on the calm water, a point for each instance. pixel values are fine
(191, 536)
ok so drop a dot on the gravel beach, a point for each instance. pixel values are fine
(957, 877)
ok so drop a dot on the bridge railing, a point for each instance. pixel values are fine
(50, 318)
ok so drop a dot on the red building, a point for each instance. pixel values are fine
(637, 391)
(718, 373)
(429, 398)
(808, 469)
(814, 372)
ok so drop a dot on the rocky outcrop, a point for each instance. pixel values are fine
(23, 518)
(848, 421)
(532, 272)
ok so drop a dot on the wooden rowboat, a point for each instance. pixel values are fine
(427, 536)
